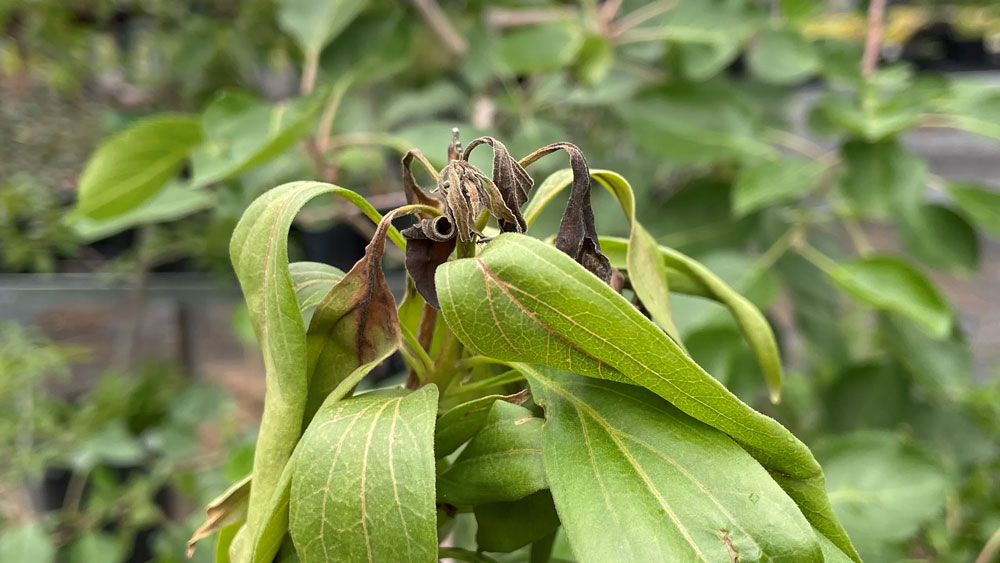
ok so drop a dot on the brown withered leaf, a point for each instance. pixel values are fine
(511, 180)
(577, 232)
(355, 323)
(429, 243)
(225, 510)
(414, 193)
(467, 192)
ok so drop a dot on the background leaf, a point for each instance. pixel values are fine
(782, 57)
(314, 23)
(982, 205)
(506, 526)
(773, 182)
(133, 165)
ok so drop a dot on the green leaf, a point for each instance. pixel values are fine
(524, 301)
(93, 547)
(879, 176)
(942, 365)
(241, 132)
(460, 423)
(314, 23)
(692, 493)
(225, 510)
(782, 56)
(892, 285)
(939, 237)
(540, 48)
(883, 488)
(873, 122)
(707, 36)
(373, 47)
(133, 165)
(174, 201)
(775, 181)
(866, 396)
(26, 542)
(312, 281)
(363, 488)
(259, 251)
(503, 462)
(982, 205)
(595, 59)
(506, 526)
(113, 444)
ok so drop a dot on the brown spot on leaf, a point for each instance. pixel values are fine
(734, 556)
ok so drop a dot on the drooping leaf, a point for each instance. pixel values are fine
(506, 526)
(773, 182)
(577, 234)
(242, 132)
(363, 488)
(228, 509)
(173, 201)
(691, 277)
(890, 284)
(132, 166)
(355, 323)
(502, 463)
(882, 487)
(510, 178)
(312, 281)
(522, 300)
(429, 244)
(259, 252)
(461, 422)
(314, 23)
(783, 57)
(692, 493)
(982, 205)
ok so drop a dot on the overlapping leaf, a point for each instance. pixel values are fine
(521, 300)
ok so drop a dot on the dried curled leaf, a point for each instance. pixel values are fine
(429, 244)
(357, 320)
(577, 235)
(467, 192)
(414, 193)
(510, 178)
(225, 510)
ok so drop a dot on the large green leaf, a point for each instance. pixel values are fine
(242, 132)
(503, 462)
(774, 181)
(782, 56)
(692, 493)
(363, 488)
(980, 204)
(314, 23)
(882, 487)
(524, 301)
(259, 251)
(132, 165)
(890, 284)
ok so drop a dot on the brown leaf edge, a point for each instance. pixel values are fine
(225, 510)
(510, 178)
(577, 235)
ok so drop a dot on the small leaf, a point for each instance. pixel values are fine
(506, 526)
(503, 462)
(888, 283)
(773, 182)
(692, 493)
(883, 488)
(314, 23)
(982, 205)
(227, 509)
(26, 542)
(461, 422)
(521, 300)
(363, 488)
(133, 165)
(783, 56)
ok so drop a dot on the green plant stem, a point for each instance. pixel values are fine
(990, 549)
(777, 249)
(509, 376)
(329, 114)
(822, 261)
(310, 66)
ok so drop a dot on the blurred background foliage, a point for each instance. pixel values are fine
(135, 133)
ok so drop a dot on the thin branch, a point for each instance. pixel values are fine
(642, 15)
(500, 18)
(608, 12)
(309, 69)
(873, 39)
(990, 549)
(439, 23)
